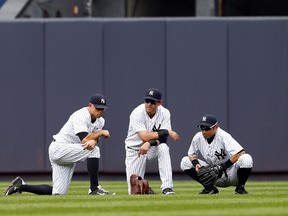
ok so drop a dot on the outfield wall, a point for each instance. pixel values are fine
(234, 68)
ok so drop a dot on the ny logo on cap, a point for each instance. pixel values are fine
(204, 118)
(151, 93)
(102, 100)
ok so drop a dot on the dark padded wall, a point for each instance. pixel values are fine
(134, 60)
(258, 90)
(234, 68)
(73, 53)
(21, 90)
(196, 77)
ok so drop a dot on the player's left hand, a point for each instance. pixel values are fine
(207, 175)
(174, 135)
(89, 145)
(106, 133)
(144, 149)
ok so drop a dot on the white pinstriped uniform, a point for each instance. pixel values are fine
(67, 149)
(140, 121)
(218, 151)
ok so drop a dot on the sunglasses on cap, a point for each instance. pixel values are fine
(150, 101)
(206, 128)
(99, 109)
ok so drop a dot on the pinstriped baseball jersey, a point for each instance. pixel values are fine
(140, 121)
(67, 150)
(218, 151)
(79, 121)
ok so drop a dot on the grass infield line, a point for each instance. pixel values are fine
(265, 198)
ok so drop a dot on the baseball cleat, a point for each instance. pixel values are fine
(14, 187)
(100, 191)
(168, 191)
(212, 190)
(240, 190)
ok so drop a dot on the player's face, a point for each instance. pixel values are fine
(96, 112)
(151, 107)
(208, 132)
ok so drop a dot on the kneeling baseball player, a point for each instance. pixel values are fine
(227, 164)
(76, 141)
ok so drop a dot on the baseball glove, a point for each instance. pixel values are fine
(139, 185)
(207, 175)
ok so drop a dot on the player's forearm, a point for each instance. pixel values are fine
(146, 136)
(195, 162)
(93, 136)
(160, 135)
(192, 157)
(235, 157)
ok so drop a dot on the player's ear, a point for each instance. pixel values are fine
(160, 102)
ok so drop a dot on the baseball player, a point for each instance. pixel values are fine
(76, 141)
(149, 128)
(218, 147)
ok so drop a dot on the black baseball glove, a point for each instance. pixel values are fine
(207, 175)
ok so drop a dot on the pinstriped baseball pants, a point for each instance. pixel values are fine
(63, 158)
(137, 165)
(244, 161)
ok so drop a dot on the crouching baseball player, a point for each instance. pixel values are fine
(226, 163)
(76, 141)
(149, 129)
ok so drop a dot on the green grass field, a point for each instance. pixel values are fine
(265, 198)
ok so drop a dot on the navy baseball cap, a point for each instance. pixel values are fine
(153, 94)
(99, 101)
(208, 120)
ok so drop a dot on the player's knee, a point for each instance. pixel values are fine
(185, 163)
(245, 161)
(163, 148)
(59, 191)
(95, 152)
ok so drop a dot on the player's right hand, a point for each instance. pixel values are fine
(198, 167)
(144, 149)
(89, 145)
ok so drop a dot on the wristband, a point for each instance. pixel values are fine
(227, 164)
(195, 162)
(153, 142)
(163, 133)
